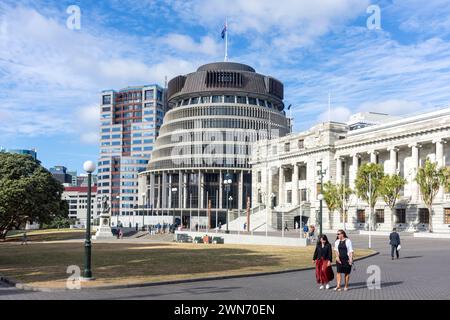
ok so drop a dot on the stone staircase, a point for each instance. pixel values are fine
(257, 221)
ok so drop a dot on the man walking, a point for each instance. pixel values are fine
(394, 241)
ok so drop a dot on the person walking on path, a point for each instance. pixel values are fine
(286, 226)
(24, 238)
(323, 255)
(344, 259)
(394, 241)
(120, 234)
(305, 230)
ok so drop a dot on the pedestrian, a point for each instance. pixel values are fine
(286, 226)
(344, 259)
(245, 226)
(323, 255)
(121, 234)
(220, 225)
(394, 241)
(305, 231)
(196, 227)
(24, 238)
(312, 230)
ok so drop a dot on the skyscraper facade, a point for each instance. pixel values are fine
(201, 157)
(130, 120)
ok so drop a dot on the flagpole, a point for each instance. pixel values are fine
(226, 39)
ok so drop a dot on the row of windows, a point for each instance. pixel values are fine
(251, 112)
(200, 163)
(227, 99)
(222, 123)
(205, 149)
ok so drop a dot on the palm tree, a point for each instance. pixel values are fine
(430, 178)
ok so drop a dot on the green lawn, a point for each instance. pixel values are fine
(45, 264)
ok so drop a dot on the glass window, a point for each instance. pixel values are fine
(252, 101)
(194, 100)
(106, 109)
(229, 99)
(242, 100)
(216, 99)
(269, 105)
(106, 99)
(400, 216)
(361, 216)
(424, 217)
(261, 103)
(185, 102)
(379, 216)
(447, 216)
(301, 144)
(205, 99)
(149, 94)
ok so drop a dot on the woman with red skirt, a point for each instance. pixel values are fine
(322, 258)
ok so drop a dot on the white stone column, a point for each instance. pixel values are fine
(220, 189)
(185, 190)
(200, 189)
(180, 189)
(281, 186)
(373, 156)
(269, 191)
(295, 200)
(415, 165)
(440, 162)
(152, 189)
(169, 200)
(240, 189)
(164, 190)
(393, 159)
(338, 170)
(354, 170)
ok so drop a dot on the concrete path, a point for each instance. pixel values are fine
(420, 273)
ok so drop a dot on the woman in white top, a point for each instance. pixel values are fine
(344, 258)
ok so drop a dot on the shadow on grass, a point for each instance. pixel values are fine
(49, 262)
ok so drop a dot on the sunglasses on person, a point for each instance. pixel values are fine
(338, 234)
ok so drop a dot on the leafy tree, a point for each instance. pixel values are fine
(343, 200)
(390, 188)
(430, 178)
(330, 195)
(336, 197)
(28, 192)
(368, 184)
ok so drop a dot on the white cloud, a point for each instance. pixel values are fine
(285, 22)
(185, 44)
(336, 114)
(393, 107)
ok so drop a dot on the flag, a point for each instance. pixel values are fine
(224, 31)
(289, 108)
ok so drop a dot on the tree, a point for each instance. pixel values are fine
(343, 201)
(430, 178)
(390, 188)
(28, 192)
(367, 184)
(330, 195)
(336, 197)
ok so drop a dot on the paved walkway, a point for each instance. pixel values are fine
(421, 273)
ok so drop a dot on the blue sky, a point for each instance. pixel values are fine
(51, 76)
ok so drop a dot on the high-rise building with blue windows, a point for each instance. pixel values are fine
(30, 152)
(130, 120)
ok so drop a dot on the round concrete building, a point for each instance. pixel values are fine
(200, 162)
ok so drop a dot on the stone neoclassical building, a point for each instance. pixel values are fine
(285, 176)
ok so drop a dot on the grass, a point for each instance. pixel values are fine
(46, 235)
(45, 264)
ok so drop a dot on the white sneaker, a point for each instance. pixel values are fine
(327, 286)
(321, 287)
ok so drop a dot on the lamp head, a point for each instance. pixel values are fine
(89, 166)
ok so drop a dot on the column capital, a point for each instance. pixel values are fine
(340, 157)
(415, 145)
(393, 148)
(356, 154)
(373, 152)
(439, 140)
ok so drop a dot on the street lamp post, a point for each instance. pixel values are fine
(174, 191)
(227, 182)
(89, 167)
(143, 210)
(320, 173)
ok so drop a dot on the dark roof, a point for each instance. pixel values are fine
(226, 66)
